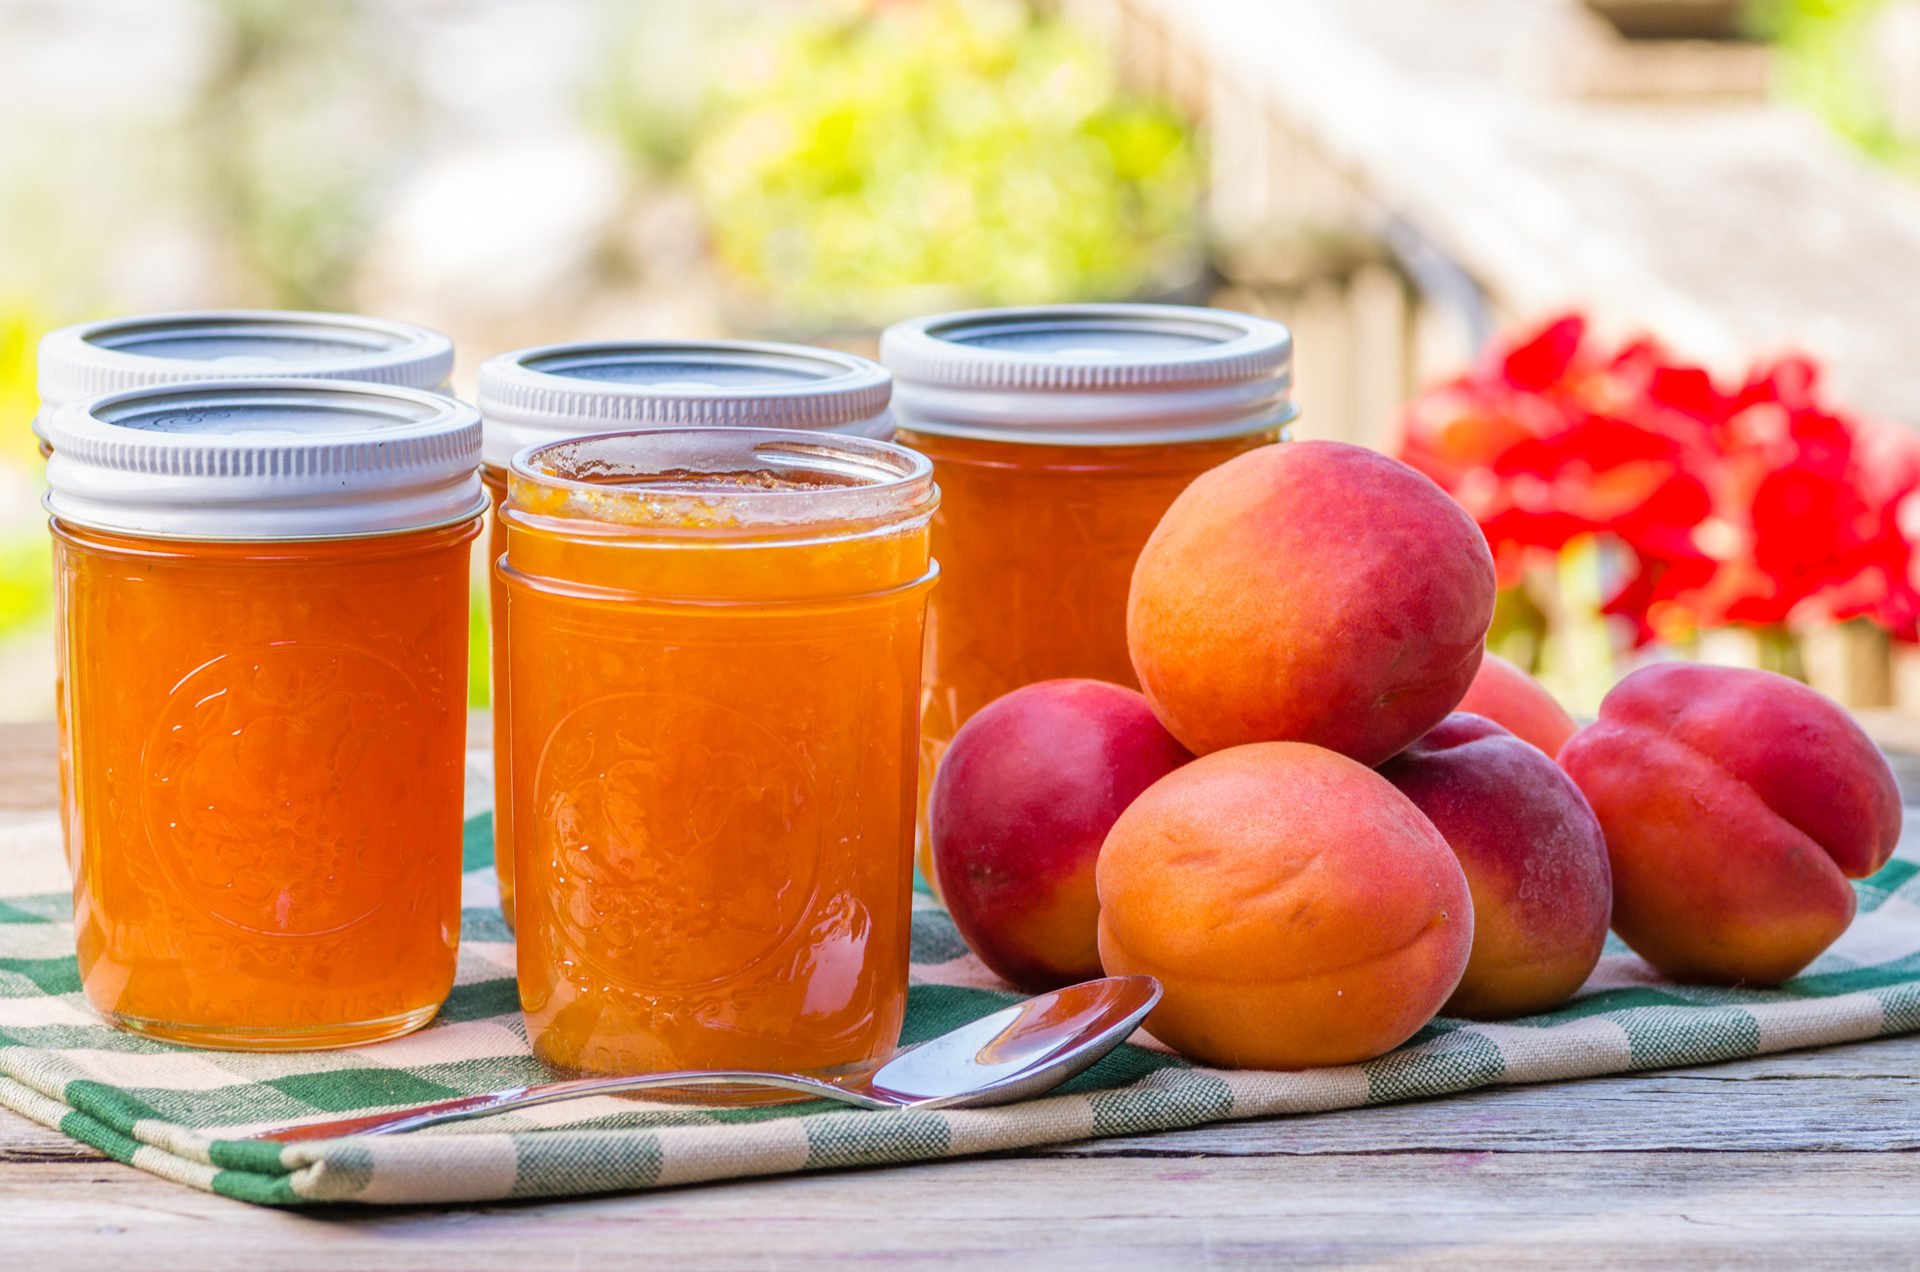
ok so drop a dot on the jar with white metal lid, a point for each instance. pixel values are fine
(262, 653)
(144, 350)
(1060, 434)
(555, 392)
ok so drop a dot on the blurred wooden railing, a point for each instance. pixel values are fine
(1397, 179)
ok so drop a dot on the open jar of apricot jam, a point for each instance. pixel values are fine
(714, 662)
(233, 344)
(555, 392)
(261, 590)
(1060, 435)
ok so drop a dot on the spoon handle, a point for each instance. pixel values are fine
(466, 1106)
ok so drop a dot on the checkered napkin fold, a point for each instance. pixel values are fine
(182, 1113)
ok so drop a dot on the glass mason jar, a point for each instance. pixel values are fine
(714, 663)
(145, 350)
(233, 344)
(555, 392)
(1060, 435)
(261, 592)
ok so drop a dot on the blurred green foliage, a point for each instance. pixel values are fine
(864, 161)
(26, 582)
(853, 161)
(479, 649)
(287, 144)
(21, 326)
(1826, 64)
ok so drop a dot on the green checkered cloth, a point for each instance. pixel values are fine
(181, 1113)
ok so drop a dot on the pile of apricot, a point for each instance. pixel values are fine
(1330, 815)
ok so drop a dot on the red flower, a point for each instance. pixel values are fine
(1756, 505)
(1547, 441)
(1539, 364)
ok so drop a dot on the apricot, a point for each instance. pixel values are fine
(1298, 910)
(1736, 805)
(1534, 857)
(1023, 798)
(1310, 592)
(1519, 704)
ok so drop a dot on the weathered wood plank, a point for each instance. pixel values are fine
(25, 1143)
(1613, 1210)
(1680, 1113)
(27, 776)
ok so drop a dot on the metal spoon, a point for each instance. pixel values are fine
(1015, 1053)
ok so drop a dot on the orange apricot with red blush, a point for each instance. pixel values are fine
(1310, 592)
(1737, 804)
(1296, 908)
(1534, 857)
(1022, 802)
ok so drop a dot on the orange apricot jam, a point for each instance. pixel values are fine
(1060, 435)
(714, 663)
(266, 731)
(91, 358)
(554, 392)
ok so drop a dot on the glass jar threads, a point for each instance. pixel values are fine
(262, 628)
(226, 344)
(1060, 434)
(555, 392)
(714, 664)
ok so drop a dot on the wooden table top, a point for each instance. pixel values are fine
(1793, 1160)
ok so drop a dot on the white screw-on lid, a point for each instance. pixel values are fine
(1091, 375)
(129, 353)
(263, 460)
(560, 391)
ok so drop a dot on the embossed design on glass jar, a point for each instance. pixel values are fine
(248, 828)
(673, 862)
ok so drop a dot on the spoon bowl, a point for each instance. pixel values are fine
(1013, 1054)
(1019, 1051)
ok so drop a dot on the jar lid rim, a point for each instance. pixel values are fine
(562, 390)
(264, 458)
(1020, 348)
(90, 358)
